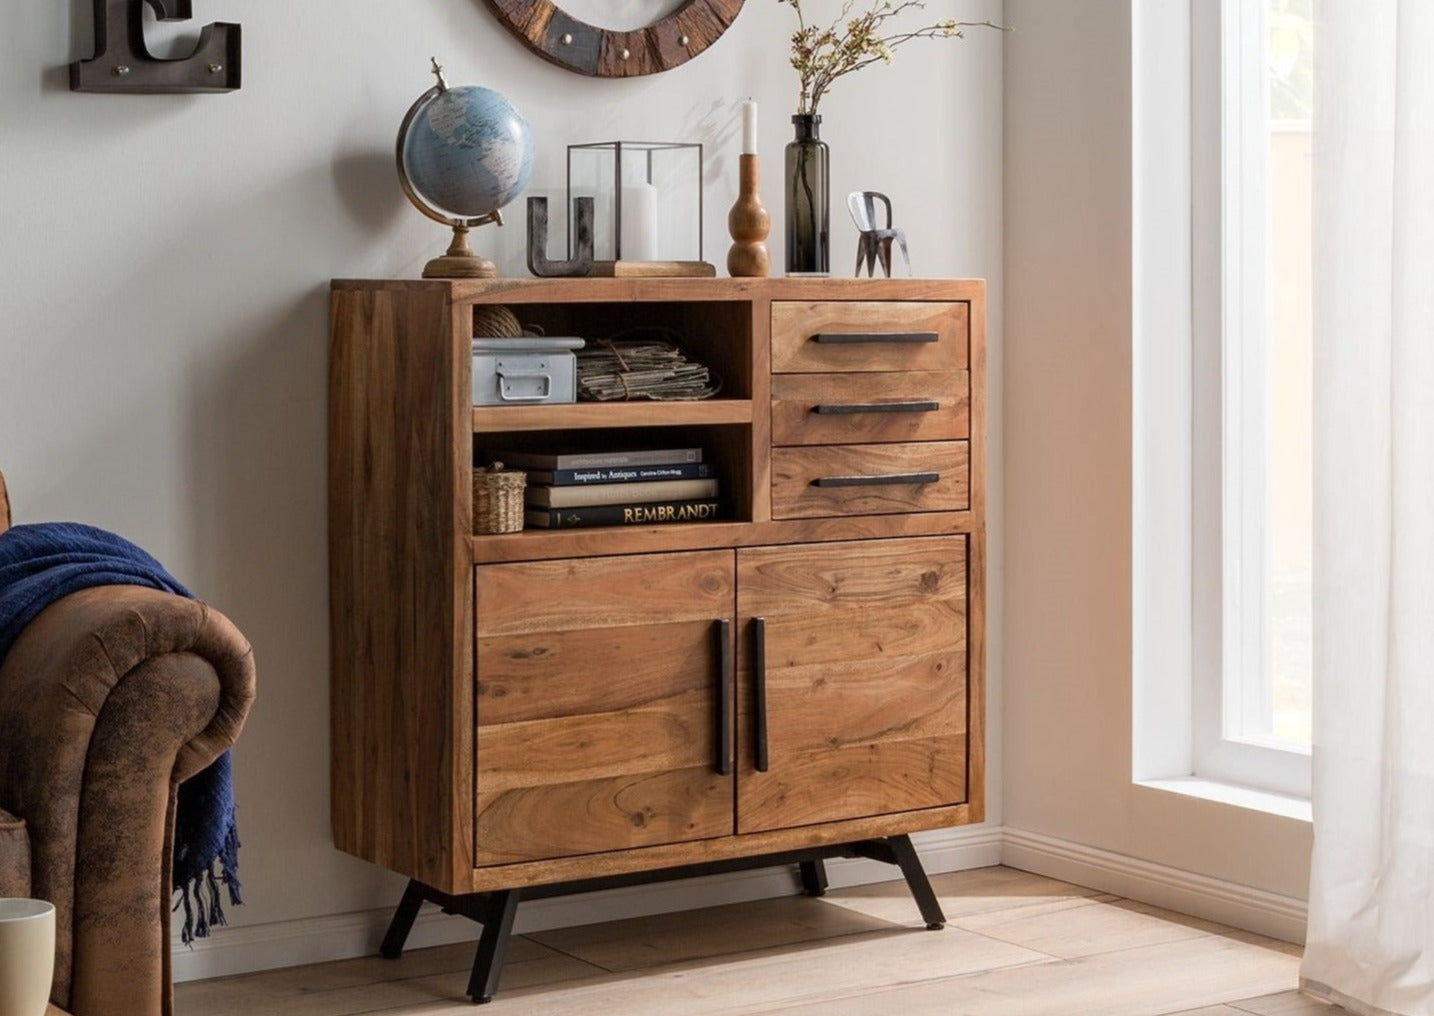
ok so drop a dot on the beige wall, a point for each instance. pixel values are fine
(163, 299)
(1068, 477)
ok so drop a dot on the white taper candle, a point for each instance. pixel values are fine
(749, 127)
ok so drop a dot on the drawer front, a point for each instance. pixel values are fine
(812, 409)
(827, 480)
(598, 683)
(868, 336)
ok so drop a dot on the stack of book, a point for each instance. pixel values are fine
(627, 488)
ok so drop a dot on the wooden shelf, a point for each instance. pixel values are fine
(591, 415)
(547, 544)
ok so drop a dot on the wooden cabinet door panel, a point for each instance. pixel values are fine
(865, 680)
(597, 722)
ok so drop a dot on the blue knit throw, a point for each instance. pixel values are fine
(39, 564)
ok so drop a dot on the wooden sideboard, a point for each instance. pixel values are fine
(524, 714)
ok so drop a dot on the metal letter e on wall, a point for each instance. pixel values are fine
(122, 62)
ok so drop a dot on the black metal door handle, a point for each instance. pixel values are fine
(759, 693)
(884, 480)
(842, 409)
(902, 338)
(723, 737)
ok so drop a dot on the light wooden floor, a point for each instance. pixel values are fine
(1016, 945)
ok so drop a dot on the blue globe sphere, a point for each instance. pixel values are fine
(467, 152)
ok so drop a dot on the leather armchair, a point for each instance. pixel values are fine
(110, 699)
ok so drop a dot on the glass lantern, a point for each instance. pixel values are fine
(647, 198)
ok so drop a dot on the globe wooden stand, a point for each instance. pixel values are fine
(460, 262)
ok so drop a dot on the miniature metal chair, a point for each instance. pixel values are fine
(875, 241)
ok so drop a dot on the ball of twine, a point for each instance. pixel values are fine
(494, 321)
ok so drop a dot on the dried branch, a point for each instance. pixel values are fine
(821, 55)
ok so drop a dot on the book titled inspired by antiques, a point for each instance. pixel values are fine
(656, 513)
(621, 474)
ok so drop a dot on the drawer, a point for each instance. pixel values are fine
(859, 336)
(866, 408)
(826, 480)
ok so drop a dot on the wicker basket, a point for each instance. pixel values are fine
(498, 499)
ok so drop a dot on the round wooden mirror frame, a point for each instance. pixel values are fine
(552, 33)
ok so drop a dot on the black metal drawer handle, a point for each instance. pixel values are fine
(850, 408)
(724, 698)
(903, 338)
(888, 479)
(759, 693)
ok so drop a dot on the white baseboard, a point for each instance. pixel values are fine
(344, 936)
(239, 950)
(1214, 899)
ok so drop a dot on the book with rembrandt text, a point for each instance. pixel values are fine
(655, 513)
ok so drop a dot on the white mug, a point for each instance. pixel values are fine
(27, 956)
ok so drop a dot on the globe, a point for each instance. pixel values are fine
(463, 153)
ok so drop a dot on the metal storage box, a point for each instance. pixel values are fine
(525, 371)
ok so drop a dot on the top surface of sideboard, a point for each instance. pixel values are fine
(658, 290)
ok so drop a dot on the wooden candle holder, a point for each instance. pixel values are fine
(749, 224)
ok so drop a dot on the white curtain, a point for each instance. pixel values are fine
(1371, 927)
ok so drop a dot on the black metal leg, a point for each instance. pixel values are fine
(493, 945)
(402, 923)
(917, 882)
(814, 877)
(495, 910)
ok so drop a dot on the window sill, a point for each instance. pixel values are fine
(1233, 794)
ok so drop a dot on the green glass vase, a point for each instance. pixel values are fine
(808, 194)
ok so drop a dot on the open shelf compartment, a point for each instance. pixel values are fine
(727, 447)
(716, 333)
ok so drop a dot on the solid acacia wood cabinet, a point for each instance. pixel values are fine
(514, 714)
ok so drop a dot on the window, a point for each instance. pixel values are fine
(1223, 431)
(1251, 396)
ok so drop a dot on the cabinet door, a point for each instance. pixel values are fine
(600, 695)
(853, 659)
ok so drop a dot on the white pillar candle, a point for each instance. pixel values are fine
(639, 222)
(749, 127)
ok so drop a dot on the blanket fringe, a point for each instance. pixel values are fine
(200, 897)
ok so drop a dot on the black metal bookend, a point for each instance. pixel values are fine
(580, 263)
(122, 62)
(496, 910)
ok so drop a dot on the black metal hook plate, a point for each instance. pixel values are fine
(122, 62)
